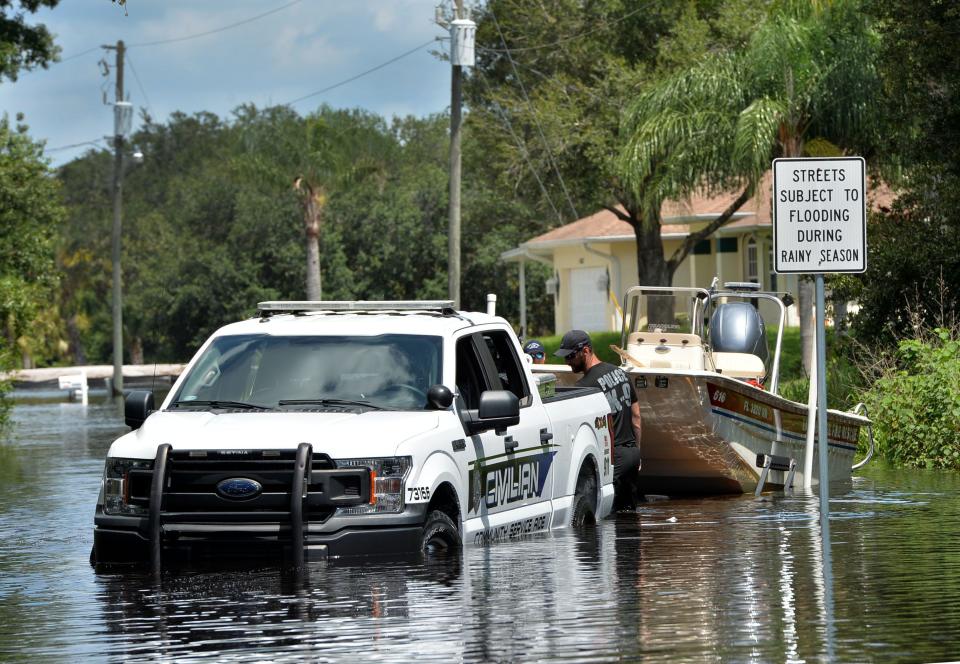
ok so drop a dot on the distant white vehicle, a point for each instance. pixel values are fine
(335, 428)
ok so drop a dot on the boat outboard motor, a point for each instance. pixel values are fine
(737, 327)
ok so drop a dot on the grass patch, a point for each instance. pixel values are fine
(601, 346)
(791, 359)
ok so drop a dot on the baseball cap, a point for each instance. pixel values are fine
(533, 346)
(572, 342)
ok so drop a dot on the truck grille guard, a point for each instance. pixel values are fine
(297, 488)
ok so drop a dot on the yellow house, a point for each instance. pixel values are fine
(594, 259)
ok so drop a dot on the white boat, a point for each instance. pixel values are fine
(713, 420)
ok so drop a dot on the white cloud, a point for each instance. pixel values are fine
(178, 23)
(384, 17)
(410, 18)
(298, 47)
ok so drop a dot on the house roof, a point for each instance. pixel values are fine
(679, 216)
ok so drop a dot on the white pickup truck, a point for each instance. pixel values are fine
(336, 428)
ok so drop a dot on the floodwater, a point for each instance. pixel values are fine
(725, 579)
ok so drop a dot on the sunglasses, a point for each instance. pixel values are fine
(536, 356)
(572, 355)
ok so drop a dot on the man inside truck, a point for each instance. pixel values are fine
(576, 350)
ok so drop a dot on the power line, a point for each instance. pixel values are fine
(216, 30)
(81, 53)
(536, 121)
(74, 145)
(139, 84)
(195, 36)
(289, 103)
(523, 148)
(603, 24)
(549, 79)
(362, 74)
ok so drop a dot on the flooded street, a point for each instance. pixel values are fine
(733, 579)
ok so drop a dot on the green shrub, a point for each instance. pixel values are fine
(6, 387)
(915, 403)
(791, 366)
(601, 346)
(844, 383)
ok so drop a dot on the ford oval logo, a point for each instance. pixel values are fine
(239, 488)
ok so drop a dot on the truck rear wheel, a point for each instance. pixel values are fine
(440, 534)
(585, 500)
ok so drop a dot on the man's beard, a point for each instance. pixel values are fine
(578, 364)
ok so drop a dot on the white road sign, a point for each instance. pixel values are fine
(819, 215)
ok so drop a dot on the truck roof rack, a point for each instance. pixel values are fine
(273, 307)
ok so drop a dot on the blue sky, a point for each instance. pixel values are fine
(292, 52)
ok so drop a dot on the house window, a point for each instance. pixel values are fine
(726, 245)
(701, 248)
(753, 268)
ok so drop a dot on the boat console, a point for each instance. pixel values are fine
(697, 329)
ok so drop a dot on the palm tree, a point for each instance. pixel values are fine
(341, 151)
(322, 155)
(804, 83)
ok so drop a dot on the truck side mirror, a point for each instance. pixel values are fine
(136, 407)
(498, 410)
(439, 397)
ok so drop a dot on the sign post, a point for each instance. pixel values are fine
(820, 227)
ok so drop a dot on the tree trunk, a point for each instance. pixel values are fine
(653, 269)
(136, 351)
(313, 265)
(312, 201)
(76, 343)
(840, 316)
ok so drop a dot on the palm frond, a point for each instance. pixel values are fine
(755, 135)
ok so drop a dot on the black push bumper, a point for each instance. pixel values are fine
(122, 546)
(296, 512)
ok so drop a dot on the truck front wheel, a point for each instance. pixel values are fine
(440, 534)
(585, 500)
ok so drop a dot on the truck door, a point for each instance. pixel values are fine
(511, 474)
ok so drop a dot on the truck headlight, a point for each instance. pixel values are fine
(126, 486)
(387, 478)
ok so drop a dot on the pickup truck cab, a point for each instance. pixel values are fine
(336, 428)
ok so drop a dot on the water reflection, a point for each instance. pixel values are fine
(326, 608)
(732, 579)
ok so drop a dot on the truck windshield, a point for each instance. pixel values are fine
(388, 371)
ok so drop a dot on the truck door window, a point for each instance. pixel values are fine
(507, 365)
(470, 383)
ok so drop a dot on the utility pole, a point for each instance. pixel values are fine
(462, 35)
(122, 112)
(453, 232)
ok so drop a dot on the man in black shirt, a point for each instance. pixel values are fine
(576, 349)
